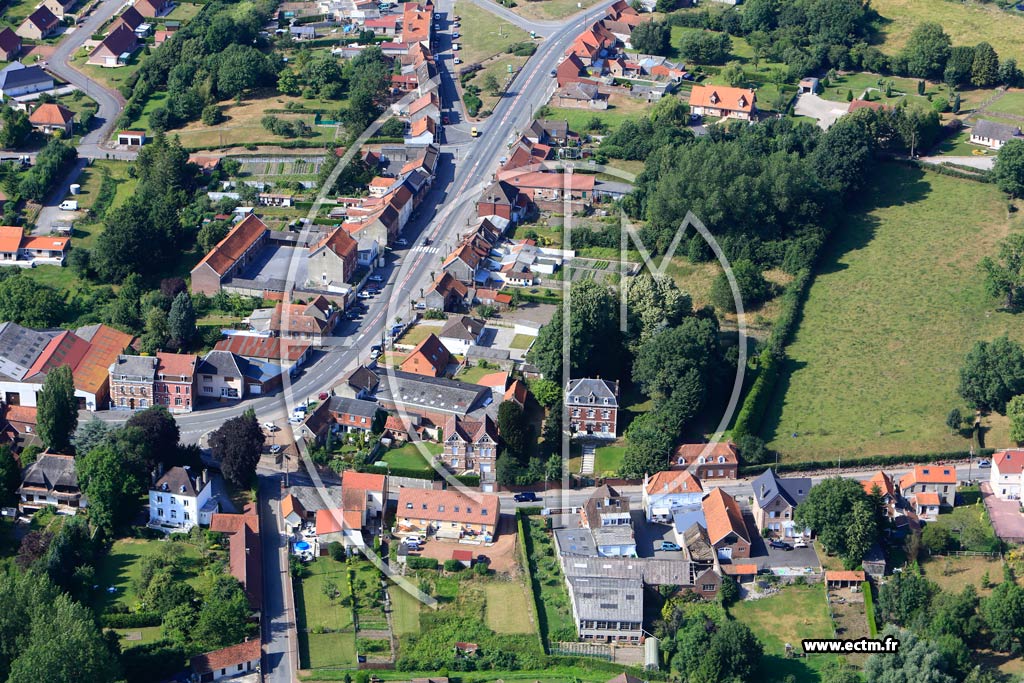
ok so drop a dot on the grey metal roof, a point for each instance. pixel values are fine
(603, 599)
(995, 131)
(651, 571)
(576, 542)
(601, 389)
(433, 394)
(488, 352)
(135, 366)
(621, 534)
(19, 348)
(769, 485)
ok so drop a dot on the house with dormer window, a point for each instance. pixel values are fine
(927, 479)
(471, 447)
(776, 500)
(667, 493)
(180, 499)
(1006, 474)
(723, 102)
(593, 407)
(715, 461)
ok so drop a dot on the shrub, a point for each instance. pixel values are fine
(421, 563)
(452, 566)
(336, 551)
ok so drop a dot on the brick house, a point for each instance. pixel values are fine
(430, 358)
(775, 501)
(498, 199)
(52, 118)
(131, 382)
(471, 446)
(175, 385)
(446, 514)
(593, 407)
(238, 249)
(723, 101)
(722, 462)
(726, 531)
(340, 414)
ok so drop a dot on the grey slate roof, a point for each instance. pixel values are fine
(19, 348)
(462, 327)
(621, 534)
(995, 131)
(135, 366)
(768, 486)
(580, 390)
(223, 363)
(51, 471)
(178, 480)
(576, 542)
(604, 599)
(363, 379)
(352, 406)
(17, 78)
(431, 394)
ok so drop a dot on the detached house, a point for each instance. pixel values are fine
(1005, 475)
(364, 497)
(500, 199)
(179, 499)
(722, 101)
(446, 294)
(461, 332)
(881, 483)
(775, 501)
(51, 480)
(154, 8)
(60, 8)
(430, 358)
(994, 135)
(116, 49)
(447, 514)
(340, 414)
(10, 45)
(593, 407)
(930, 479)
(53, 118)
(39, 25)
(227, 662)
(471, 447)
(720, 462)
(17, 79)
(727, 533)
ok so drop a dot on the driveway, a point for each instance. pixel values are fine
(1006, 517)
(980, 163)
(824, 111)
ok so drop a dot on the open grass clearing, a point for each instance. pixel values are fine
(484, 34)
(111, 78)
(326, 635)
(121, 569)
(621, 108)
(1010, 103)
(408, 457)
(419, 332)
(475, 374)
(953, 573)
(324, 650)
(522, 341)
(499, 68)
(961, 146)
(967, 23)
(608, 459)
(549, 10)
(508, 608)
(405, 611)
(894, 308)
(795, 613)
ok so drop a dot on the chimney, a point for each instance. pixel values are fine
(206, 476)
(762, 490)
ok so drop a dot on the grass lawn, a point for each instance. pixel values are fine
(321, 650)
(16, 11)
(92, 178)
(499, 68)
(182, 12)
(149, 634)
(953, 573)
(969, 523)
(1010, 103)
(122, 568)
(612, 117)
(408, 457)
(508, 608)
(474, 374)
(551, 9)
(795, 613)
(895, 307)
(522, 341)
(959, 145)
(484, 34)
(315, 612)
(111, 78)
(608, 459)
(405, 614)
(966, 23)
(418, 332)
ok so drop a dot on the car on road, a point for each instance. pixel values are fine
(526, 497)
(474, 132)
(780, 545)
(323, 396)
(669, 546)
(401, 242)
(984, 463)
(444, 120)
(364, 295)
(270, 427)
(275, 449)
(456, 47)
(375, 278)
(553, 73)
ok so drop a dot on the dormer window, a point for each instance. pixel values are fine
(714, 98)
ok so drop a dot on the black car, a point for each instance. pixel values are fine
(780, 545)
(526, 497)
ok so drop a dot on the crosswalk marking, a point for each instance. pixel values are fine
(427, 250)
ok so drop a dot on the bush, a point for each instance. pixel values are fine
(336, 551)
(421, 563)
(453, 566)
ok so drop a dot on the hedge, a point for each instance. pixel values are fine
(421, 563)
(524, 560)
(751, 413)
(471, 480)
(975, 174)
(869, 608)
(130, 620)
(397, 471)
(866, 462)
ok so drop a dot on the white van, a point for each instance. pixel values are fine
(69, 205)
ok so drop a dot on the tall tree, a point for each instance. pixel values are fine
(904, 597)
(840, 514)
(927, 51)
(10, 476)
(595, 343)
(1015, 411)
(114, 482)
(181, 321)
(160, 433)
(652, 38)
(917, 661)
(513, 429)
(57, 409)
(1008, 172)
(690, 349)
(985, 68)
(90, 435)
(237, 444)
(653, 304)
(992, 374)
(1004, 613)
(27, 302)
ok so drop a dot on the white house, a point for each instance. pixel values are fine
(670, 492)
(180, 500)
(1005, 475)
(993, 135)
(460, 333)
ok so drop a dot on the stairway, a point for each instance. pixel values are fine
(587, 468)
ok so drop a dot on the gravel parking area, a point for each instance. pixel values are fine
(1006, 517)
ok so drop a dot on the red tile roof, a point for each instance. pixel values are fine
(883, 481)
(181, 364)
(272, 349)
(448, 506)
(577, 182)
(462, 555)
(927, 498)
(237, 241)
(430, 357)
(228, 657)
(51, 114)
(722, 97)
(339, 242)
(844, 576)
(1009, 461)
(929, 474)
(10, 238)
(92, 372)
(366, 481)
(689, 452)
(673, 481)
(723, 516)
(46, 242)
(328, 521)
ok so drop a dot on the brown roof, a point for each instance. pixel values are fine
(430, 357)
(245, 557)
(179, 480)
(290, 504)
(580, 182)
(180, 364)
(516, 392)
(929, 474)
(723, 516)
(9, 41)
(46, 242)
(447, 284)
(339, 242)
(673, 481)
(43, 19)
(689, 452)
(264, 348)
(237, 241)
(722, 97)
(105, 345)
(51, 114)
(121, 39)
(883, 481)
(844, 576)
(448, 506)
(132, 18)
(366, 481)
(1009, 461)
(228, 657)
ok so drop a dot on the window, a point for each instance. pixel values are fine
(159, 512)
(709, 587)
(186, 516)
(174, 514)
(159, 499)
(455, 462)
(440, 508)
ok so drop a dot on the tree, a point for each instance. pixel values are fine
(57, 410)
(223, 615)
(30, 303)
(1009, 74)
(654, 303)
(733, 653)
(648, 445)
(240, 68)
(160, 434)
(992, 374)
(513, 429)
(157, 331)
(729, 591)
(491, 84)
(113, 481)
(595, 342)
(212, 233)
(689, 352)
(927, 51)
(1015, 411)
(905, 596)
(845, 154)
(985, 68)
(1008, 171)
(652, 38)
(165, 592)
(917, 661)
(237, 444)
(506, 469)
(1003, 611)
(181, 321)
(705, 47)
(954, 420)
(958, 66)
(90, 435)
(10, 476)
(547, 393)
(936, 538)
(840, 514)
(211, 115)
(733, 74)
(753, 286)
(14, 128)
(955, 614)
(840, 671)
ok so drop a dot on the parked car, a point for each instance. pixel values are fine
(780, 545)
(375, 278)
(420, 306)
(553, 73)
(456, 35)
(669, 546)
(275, 449)
(270, 427)
(526, 497)
(458, 61)
(799, 543)
(364, 295)
(984, 463)
(323, 396)
(295, 419)
(412, 540)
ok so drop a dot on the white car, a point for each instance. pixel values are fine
(799, 543)
(270, 427)
(412, 540)
(295, 419)
(458, 61)
(421, 306)
(364, 295)
(375, 278)
(401, 242)
(456, 35)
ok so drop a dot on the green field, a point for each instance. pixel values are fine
(508, 607)
(966, 23)
(578, 119)
(408, 457)
(1010, 103)
(555, 616)
(417, 333)
(405, 615)
(484, 34)
(795, 613)
(475, 374)
(896, 305)
(901, 88)
(522, 341)
(608, 459)
(326, 635)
